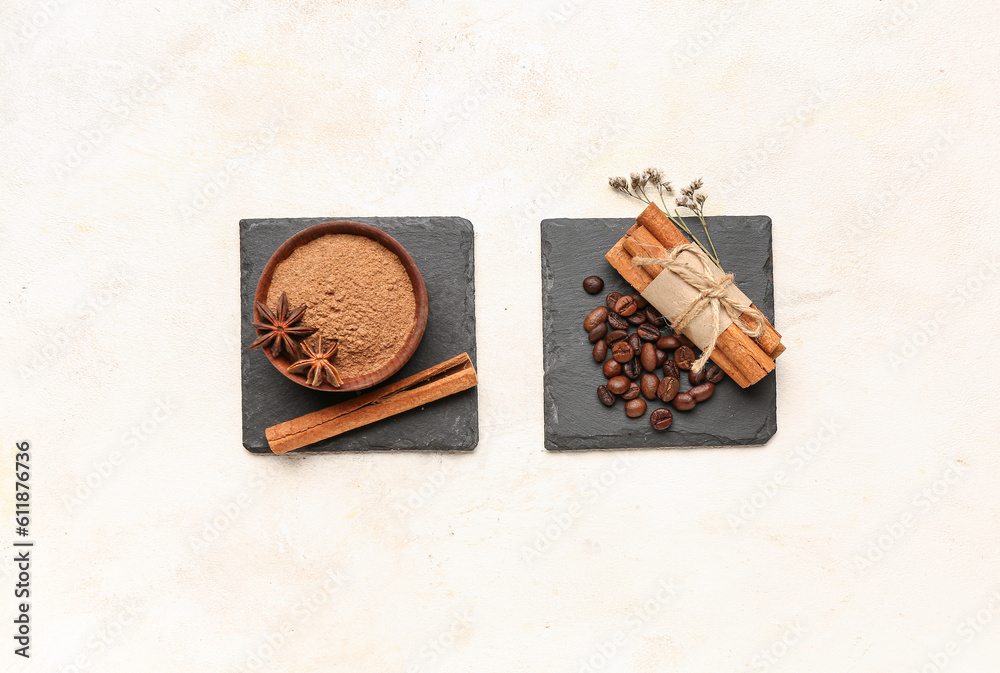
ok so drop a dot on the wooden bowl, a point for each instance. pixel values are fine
(416, 280)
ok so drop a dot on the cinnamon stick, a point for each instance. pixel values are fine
(663, 230)
(735, 353)
(638, 242)
(636, 276)
(447, 378)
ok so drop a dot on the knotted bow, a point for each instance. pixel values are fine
(712, 293)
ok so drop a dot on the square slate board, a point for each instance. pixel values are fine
(442, 247)
(574, 418)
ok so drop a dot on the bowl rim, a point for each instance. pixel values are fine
(413, 339)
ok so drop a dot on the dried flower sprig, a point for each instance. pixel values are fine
(691, 198)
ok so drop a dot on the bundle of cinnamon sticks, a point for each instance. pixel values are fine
(745, 359)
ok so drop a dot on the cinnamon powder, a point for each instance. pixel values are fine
(356, 291)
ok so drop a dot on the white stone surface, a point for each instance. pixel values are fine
(136, 135)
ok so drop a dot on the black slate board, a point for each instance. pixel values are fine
(573, 249)
(442, 247)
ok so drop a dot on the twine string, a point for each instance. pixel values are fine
(712, 295)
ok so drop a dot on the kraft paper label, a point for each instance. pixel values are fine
(670, 295)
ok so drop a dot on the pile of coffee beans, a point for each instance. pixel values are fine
(640, 366)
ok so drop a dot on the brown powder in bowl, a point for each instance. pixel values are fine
(357, 292)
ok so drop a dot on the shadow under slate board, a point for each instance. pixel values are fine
(573, 249)
(442, 247)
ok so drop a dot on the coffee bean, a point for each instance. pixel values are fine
(617, 322)
(632, 369)
(696, 378)
(668, 388)
(614, 336)
(618, 384)
(595, 318)
(640, 301)
(668, 342)
(661, 419)
(635, 342)
(600, 351)
(647, 356)
(714, 373)
(625, 306)
(684, 402)
(684, 357)
(635, 408)
(702, 392)
(593, 284)
(684, 340)
(661, 357)
(598, 332)
(648, 384)
(648, 332)
(605, 396)
(612, 368)
(612, 299)
(655, 317)
(670, 368)
(622, 352)
(636, 319)
(632, 392)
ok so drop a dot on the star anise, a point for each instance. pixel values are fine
(280, 329)
(316, 364)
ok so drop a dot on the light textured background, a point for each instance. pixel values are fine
(136, 135)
